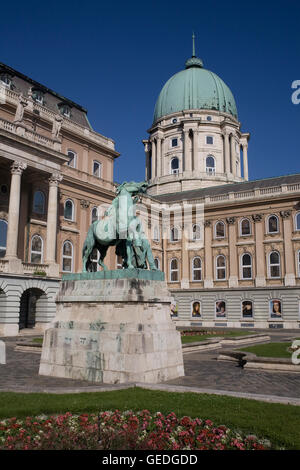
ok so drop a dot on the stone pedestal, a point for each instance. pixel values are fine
(113, 327)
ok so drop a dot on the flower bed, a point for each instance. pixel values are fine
(122, 430)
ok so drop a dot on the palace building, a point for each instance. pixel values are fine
(55, 171)
(239, 267)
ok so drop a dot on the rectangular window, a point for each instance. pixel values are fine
(174, 142)
(209, 140)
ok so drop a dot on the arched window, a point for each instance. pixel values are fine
(69, 210)
(174, 271)
(196, 232)
(196, 269)
(210, 165)
(157, 263)
(36, 255)
(67, 257)
(94, 214)
(247, 309)
(220, 230)
(156, 234)
(273, 225)
(6, 80)
(245, 227)
(72, 158)
(174, 166)
(274, 264)
(220, 267)
(65, 110)
(297, 221)
(246, 261)
(3, 237)
(38, 202)
(97, 169)
(196, 308)
(174, 235)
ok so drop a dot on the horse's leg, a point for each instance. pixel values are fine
(129, 254)
(88, 247)
(103, 250)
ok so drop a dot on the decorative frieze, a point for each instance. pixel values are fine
(84, 204)
(230, 220)
(285, 214)
(256, 217)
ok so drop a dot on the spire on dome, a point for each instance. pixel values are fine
(194, 61)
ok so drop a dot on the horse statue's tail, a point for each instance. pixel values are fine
(88, 246)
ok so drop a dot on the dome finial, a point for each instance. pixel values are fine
(193, 38)
(194, 61)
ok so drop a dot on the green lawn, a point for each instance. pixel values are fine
(277, 422)
(37, 340)
(270, 350)
(195, 338)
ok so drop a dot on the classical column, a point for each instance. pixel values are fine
(260, 278)
(227, 153)
(289, 278)
(158, 157)
(245, 161)
(153, 159)
(54, 181)
(147, 169)
(208, 275)
(187, 153)
(233, 155)
(17, 169)
(233, 265)
(195, 165)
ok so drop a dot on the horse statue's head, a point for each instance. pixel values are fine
(132, 187)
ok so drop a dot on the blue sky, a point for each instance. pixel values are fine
(114, 58)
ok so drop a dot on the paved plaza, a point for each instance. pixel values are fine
(202, 371)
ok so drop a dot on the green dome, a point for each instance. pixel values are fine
(194, 88)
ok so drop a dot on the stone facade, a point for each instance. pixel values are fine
(55, 171)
